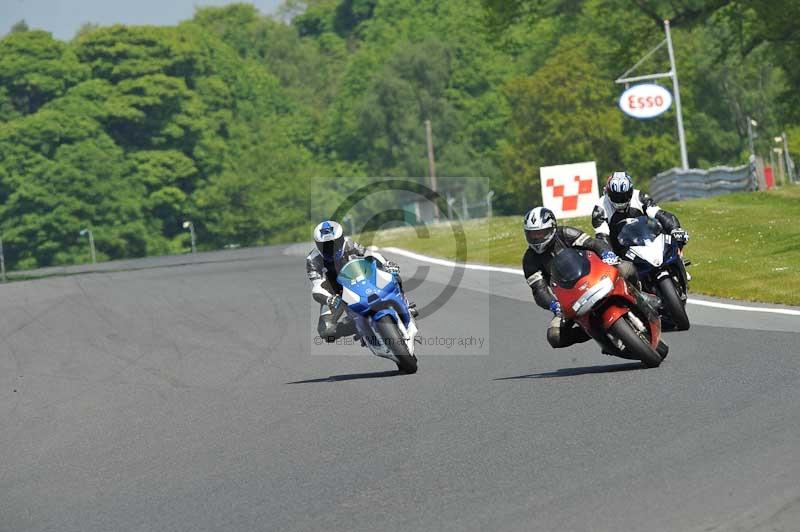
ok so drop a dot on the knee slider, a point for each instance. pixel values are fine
(554, 336)
(327, 331)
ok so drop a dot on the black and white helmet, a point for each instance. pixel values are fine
(540, 227)
(619, 189)
(329, 237)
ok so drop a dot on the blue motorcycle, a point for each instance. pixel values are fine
(659, 263)
(380, 311)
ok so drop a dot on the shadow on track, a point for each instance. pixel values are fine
(572, 372)
(351, 377)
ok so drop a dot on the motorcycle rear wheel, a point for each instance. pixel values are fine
(389, 332)
(635, 345)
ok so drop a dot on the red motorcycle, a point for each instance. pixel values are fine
(609, 309)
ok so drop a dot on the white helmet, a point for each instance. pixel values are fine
(619, 189)
(540, 228)
(329, 237)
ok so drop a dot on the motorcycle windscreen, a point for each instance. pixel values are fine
(638, 231)
(568, 266)
(356, 271)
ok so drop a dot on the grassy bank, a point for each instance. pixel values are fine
(744, 246)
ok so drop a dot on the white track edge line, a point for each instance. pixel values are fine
(515, 271)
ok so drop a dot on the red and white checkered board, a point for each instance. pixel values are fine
(569, 190)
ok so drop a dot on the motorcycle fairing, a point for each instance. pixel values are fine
(371, 294)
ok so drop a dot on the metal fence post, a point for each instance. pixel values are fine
(789, 166)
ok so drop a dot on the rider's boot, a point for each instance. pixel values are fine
(652, 300)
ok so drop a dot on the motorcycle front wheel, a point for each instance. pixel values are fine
(634, 344)
(674, 307)
(389, 332)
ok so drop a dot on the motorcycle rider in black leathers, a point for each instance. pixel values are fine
(545, 240)
(333, 250)
(621, 201)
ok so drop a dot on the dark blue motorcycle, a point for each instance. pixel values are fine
(660, 265)
(378, 307)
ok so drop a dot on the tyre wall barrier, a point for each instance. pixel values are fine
(677, 184)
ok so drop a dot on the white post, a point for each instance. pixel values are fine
(2, 260)
(450, 201)
(676, 89)
(489, 203)
(789, 167)
(91, 243)
(779, 151)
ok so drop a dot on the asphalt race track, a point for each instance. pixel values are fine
(191, 397)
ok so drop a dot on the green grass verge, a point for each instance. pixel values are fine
(744, 245)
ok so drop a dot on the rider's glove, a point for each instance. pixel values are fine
(680, 235)
(555, 307)
(391, 267)
(609, 257)
(334, 301)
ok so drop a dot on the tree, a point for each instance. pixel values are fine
(35, 68)
(228, 118)
(19, 27)
(564, 113)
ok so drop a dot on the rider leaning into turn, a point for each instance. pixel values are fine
(333, 250)
(621, 201)
(545, 240)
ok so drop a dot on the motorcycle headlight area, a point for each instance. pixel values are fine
(349, 297)
(592, 296)
(382, 278)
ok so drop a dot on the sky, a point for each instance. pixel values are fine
(64, 17)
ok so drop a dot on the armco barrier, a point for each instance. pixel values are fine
(676, 184)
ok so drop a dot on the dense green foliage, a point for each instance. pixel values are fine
(227, 118)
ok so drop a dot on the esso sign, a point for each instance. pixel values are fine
(645, 101)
